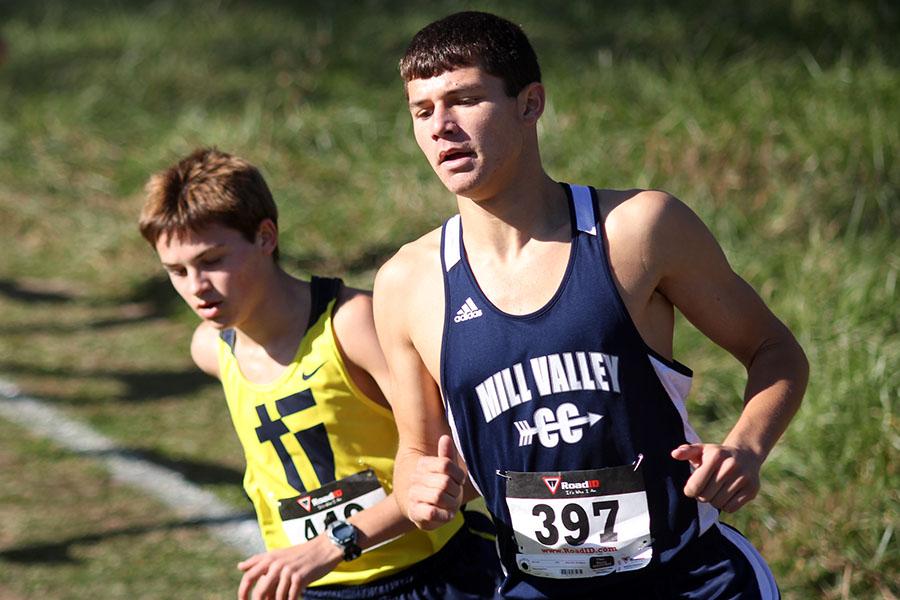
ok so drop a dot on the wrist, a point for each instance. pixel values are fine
(330, 552)
(748, 444)
(748, 453)
(345, 539)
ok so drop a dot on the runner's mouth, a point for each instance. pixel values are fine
(207, 307)
(454, 155)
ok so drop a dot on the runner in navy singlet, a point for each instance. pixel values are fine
(535, 329)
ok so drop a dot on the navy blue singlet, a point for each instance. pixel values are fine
(566, 420)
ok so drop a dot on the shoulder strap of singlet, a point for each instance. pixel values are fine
(585, 217)
(322, 290)
(450, 242)
(228, 337)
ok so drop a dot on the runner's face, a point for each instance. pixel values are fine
(468, 128)
(216, 271)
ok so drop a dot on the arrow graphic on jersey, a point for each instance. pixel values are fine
(468, 311)
(565, 423)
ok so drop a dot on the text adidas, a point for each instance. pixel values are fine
(468, 311)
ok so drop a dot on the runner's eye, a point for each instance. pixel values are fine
(211, 262)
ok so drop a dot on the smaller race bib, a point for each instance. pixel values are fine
(573, 524)
(307, 515)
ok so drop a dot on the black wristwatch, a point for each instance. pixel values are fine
(343, 535)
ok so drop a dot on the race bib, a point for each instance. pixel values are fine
(306, 516)
(580, 523)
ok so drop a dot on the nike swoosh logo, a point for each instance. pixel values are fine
(305, 376)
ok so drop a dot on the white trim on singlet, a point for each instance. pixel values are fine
(677, 386)
(584, 209)
(455, 434)
(451, 242)
(768, 589)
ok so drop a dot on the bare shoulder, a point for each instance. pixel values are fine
(352, 309)
(409, 302)
(636, 210)
(414, 260)
(204, 345)
(354, 328)
(651, 224)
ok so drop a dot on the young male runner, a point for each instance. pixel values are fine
(536, 327)
(302, 372)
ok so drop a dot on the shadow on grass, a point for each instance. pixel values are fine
(151, 299)
(60, 552)
(195, 471)
(17, 290)
(155, 291)
(139, 386)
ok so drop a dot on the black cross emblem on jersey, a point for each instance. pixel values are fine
(313, 440)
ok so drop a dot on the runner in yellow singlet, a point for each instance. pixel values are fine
(302, 373)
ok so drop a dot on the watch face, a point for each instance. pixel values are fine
(344, 535)
(343, 532)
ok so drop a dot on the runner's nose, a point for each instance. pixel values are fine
(442, 123)
(198, 282)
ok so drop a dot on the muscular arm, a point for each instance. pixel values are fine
(354, 327)
(692, 273)
(428, 476)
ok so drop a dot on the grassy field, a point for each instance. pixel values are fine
(777, 122)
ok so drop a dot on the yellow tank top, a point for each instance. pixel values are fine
(314, 427)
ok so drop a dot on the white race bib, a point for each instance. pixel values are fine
(573, 524)
(306, 516)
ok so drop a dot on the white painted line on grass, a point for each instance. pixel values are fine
(236, 528)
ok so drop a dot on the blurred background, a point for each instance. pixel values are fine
(776, 121)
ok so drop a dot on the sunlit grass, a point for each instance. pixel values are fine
(776, 122)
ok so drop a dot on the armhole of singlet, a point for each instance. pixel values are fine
(450, 256)
(620, 302)
(228, 336)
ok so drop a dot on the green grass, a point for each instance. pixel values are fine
(120, 545)
(777, 123)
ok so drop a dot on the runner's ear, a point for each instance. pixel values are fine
(267, 235)
(531, 102)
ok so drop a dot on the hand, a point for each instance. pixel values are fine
(284, 574)
(436, 487)
(725, 476)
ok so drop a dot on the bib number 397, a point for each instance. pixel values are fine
(579, 523)
(575, 522)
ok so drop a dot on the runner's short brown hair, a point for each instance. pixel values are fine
(205, 188)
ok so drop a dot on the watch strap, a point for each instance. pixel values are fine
(348, 544)
(352, 551)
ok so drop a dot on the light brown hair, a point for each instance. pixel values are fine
(205, 188)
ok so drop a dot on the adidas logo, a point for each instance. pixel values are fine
(468, 311)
